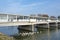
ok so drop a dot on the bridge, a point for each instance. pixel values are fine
(28, 22)
(31, 25)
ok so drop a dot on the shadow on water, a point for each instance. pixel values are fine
(44, 34)
(22, 31)
(19, 37)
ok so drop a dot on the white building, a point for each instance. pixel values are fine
(12, 18)
(20, 18)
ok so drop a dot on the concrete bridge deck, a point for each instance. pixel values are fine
(31, 24)
(20, 23)
(24, 23)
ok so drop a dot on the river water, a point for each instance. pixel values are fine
(44, 34)
(9, 30)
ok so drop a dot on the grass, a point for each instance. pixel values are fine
(5, 37)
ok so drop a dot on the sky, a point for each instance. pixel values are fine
(27, 7)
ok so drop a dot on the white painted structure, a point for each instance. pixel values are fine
(20, 18)
(13, 18)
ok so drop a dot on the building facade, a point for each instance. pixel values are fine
(31, 18)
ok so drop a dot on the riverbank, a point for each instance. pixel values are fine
(5, 37)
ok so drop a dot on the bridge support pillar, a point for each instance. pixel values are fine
(56, 24)
(48, 25)
(33, 28)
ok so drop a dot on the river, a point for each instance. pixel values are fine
(45, 34)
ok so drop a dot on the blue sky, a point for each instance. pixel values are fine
(27, 7)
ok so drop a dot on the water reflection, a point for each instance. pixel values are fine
(53, 34)
(44, 34)
(57, 34)
(48, 34)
